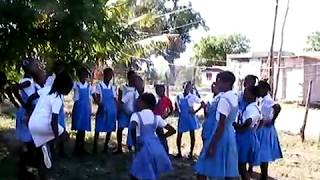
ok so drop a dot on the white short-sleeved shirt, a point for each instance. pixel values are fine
(267, 107)
(129, 99)
(50, 80)
(40, 120)
(147, 118)
(31, 89)
(223, 105)
(98, 90)
(252, 111)
(77, 85)
(192, 99)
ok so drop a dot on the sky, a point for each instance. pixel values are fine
(254, 18)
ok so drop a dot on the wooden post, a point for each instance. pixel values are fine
(280, 53)
(270, 58)
(306, 113)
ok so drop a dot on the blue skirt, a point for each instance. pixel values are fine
(81, 118)
(248, 147)
(105, 122)
(270, 149)
(224, 163)
(123, 120)
(188, 122)
(62, 118)
(151, 160)
(22, 131)
(209, 127)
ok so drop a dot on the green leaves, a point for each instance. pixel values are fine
(212, 50)
(313, 42)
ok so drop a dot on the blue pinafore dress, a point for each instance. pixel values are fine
(187, 121)
(61, 117)
(106, 114)
(129, 138)
(270, 149)
(210, 124)
(81, 113)
(22, 131)
(123, 119)
(224, 163)
(248, 145)
(151, 160)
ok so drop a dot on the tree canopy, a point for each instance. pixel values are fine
(313, 42)
(212, 50)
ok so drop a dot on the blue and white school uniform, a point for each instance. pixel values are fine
(224, 163)
(129, 101)
(151, 160)
(210, 123)
(22, 131)
(81, 113)
(124, 119)
(188, 121)
(107, 110)
(40, 120)
(267, 135)
(247, 141)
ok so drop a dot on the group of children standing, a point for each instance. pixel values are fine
(238, 130)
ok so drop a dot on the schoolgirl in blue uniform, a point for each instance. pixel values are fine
(219, 156)
(81, 113)
(270, 149)
(123, 113)
(247, 141)
(131, 98)
(105, 97)
(151, 159)
(188, 122)
(210, 122)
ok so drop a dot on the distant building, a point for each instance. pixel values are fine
(208, 75)
(295, 73)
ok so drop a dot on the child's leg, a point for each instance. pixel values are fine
(192, 139)
(264, 171)
(77, 144)
(82, 140)
(106, 147)
(61, 149)
(201, 177)
(95, 142)
(179, 137)
(243, 171)
(119, 140)
(133, 178)
(250, 169)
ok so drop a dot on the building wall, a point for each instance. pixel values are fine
(312, 72)
(243, 68)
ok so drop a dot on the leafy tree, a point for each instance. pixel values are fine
(313, 42)
(212, 50)
(76, 31)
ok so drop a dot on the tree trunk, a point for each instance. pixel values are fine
(280, 52)
(271, 63)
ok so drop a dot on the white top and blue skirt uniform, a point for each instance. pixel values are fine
(107, 110)
(247, 141)
(224, 163)
(188, 121)
(81, 113)
(22, 131)
(210, 124)
(124, 117)
(129, 101)
(270, 149)
(151, 160)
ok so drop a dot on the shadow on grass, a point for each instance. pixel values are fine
(256, 176)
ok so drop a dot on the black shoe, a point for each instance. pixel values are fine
(118, 152)
(178, 156)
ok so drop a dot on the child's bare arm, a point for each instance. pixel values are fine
(170, 130)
